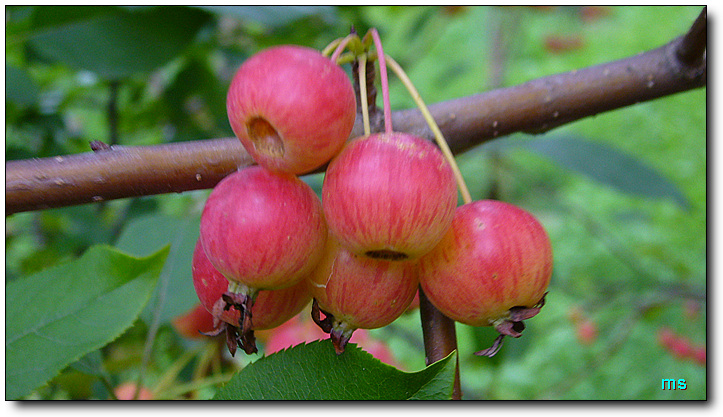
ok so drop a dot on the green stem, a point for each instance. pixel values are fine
(363, 93)
(192, 386)
(385, 80)
(331, 46)
(340, 48)
(168, 378)
(466, 197)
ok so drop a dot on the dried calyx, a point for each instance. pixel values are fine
(338, 332)
(512, 325)
(236, 336)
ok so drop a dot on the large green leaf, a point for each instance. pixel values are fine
(114, 42)
(607, 165)
(20, 87)
(58, 315)
(175, 293)
(314, 372)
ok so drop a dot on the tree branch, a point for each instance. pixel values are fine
(691, 49)
(534, 107)
(440, 338)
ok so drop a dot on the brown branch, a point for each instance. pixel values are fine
(691, 49)
(534, 107)
(440, 338)
(119, 172)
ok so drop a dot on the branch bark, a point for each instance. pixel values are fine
(533, 107)
(440, 338)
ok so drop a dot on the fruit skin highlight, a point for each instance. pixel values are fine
(359, 292)
(389, 196)
(492, 268)
(263, 230)
(292, 108)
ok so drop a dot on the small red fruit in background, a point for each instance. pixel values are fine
(559, 44)
(292, 108)
(358, 292)
(194, 322)
(127, 391)
(681, 347)
(492, 268)
(666, 337)
(270, 309)
(389, 196)
(299, 330)
(586, 332)
(585, 329)
(699, 355)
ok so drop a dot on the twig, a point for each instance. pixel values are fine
(691, 49)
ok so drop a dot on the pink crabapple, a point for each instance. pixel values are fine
(292, 108)
(492, 268)
(262, 231)
(270, 309)
(357, 292)
(389, 196)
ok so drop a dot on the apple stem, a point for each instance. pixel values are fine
(385, 81)
(439, 137)
(340, 46)
(328, 49)
(363, 93)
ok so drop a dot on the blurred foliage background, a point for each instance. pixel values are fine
(622, 194)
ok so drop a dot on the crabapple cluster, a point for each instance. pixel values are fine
(387, 221)
(262, 228)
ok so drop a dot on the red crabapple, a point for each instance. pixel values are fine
(389, 196)
(262, 231)
(196, 321)
(292, 108)
(270, 309)
(359, 292)
(492, 268)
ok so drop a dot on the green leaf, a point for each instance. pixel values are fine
(175, 294)
(91, 364)
(113, 42)
(62, 313)
(607, 165)
(272, 16)
(314, 372)
(20, 87)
